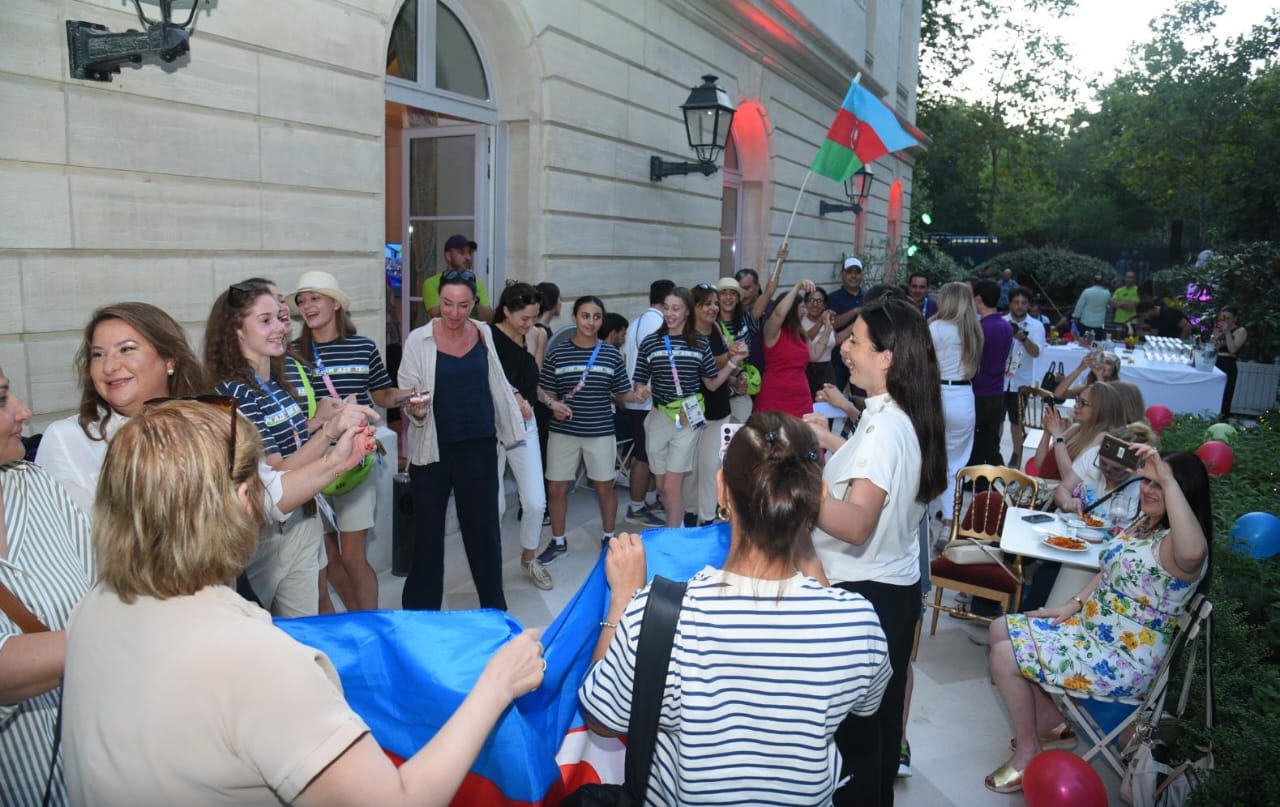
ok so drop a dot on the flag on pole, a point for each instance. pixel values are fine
(406, 672)
(864, 131)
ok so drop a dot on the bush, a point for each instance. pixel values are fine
(1058, 275)
(938, 266)
(1246, 626)
(1247, 275)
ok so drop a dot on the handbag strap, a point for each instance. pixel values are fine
(21, 615)
(653, 656)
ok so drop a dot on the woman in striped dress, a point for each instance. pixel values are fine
(46, 565)
(766, 661)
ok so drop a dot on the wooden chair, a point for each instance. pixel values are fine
(1031, 403)
(996, 488)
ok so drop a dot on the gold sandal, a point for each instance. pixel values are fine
(1005, 779)
(1059, 738)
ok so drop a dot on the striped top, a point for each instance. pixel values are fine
(49, 568)
(762, 673)
(281, 421)
(352, 364)
(653, 366)
(592, 405)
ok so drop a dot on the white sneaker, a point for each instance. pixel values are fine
(539, 575)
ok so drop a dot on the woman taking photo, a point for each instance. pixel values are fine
(167, 701)
(1099, 409)
(461, 409)
(700, 485)
(1101, 366)
(725, 735)
(46, 566)
(581, 378)
(513, 320)
(338, 363)
(673, 364)
(1229, 337)
(1109, 639)
(818, 326)
(735, 326)
(784, 387)
(244, 348)
(880, 482)
(957, 342)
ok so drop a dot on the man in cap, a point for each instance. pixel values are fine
(458, 251)
(846, 304)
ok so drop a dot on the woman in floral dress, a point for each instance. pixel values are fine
(1109, 639)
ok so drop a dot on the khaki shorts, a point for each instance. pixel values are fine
(354, 509)
(564, 451)
(285, 568)
(670, 449)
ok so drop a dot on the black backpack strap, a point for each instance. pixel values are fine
(653, 656)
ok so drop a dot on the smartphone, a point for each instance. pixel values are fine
(1120, 452)
(414, 400)
(1037, 518)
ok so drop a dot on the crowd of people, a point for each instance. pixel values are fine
(188, 494)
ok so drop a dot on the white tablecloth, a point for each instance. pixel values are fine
(1181, 388)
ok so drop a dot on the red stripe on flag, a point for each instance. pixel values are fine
(867, 144)
(841, 131)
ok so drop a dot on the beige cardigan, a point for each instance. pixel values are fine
(418, 371)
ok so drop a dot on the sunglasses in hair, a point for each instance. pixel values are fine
(237, 292)
(465, 275)
(225, 402)
(705, 287)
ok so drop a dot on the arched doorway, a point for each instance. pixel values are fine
(441, 121)
(748, 189)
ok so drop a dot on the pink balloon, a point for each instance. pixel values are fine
(1159, 416)
(1217, 457)
(1062, 779)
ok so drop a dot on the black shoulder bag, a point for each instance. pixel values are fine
(653, 656)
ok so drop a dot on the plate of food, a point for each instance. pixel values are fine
(1086, 521)
(1067, 543)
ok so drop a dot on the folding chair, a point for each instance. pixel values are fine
(1072, 702)
(996, 488)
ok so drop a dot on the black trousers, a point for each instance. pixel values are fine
(1228, 365)
(869, 745)
(469, 470)
(988, 423)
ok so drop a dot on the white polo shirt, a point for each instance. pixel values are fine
(885, 451)
(1019, 370)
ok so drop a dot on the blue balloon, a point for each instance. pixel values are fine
(1257, 534)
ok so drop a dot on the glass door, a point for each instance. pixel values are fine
(447, 172)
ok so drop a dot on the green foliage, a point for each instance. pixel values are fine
(1246, 625)
(1058, 274)
(1245, 275)
(938, 266)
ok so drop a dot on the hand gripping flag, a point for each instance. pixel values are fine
(406, 672)
(864, 131)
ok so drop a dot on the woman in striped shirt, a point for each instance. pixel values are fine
(766, 662)
(46, 564)
(672, 364)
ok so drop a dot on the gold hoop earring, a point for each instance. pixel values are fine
(722, 512)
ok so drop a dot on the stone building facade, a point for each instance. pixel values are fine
(281, 144)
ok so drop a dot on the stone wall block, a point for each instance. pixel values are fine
(293, 155)
(115, 212)
(34, 207)
(32, 107)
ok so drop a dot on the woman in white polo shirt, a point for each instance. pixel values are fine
(881, 481)
(672, 364)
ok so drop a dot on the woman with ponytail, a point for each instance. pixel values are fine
(725, 717)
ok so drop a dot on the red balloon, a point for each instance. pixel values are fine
(1159, 416)
(1217, 457)
(1062, 779)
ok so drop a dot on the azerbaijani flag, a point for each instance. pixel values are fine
(406, 672)
(864, 131)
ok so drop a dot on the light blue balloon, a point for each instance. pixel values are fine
(1257, 535)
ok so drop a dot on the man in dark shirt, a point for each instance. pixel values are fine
(1163, 320)
(988, 384)
(918, 293)
(846, 304)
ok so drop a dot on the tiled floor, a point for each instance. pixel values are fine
(957, 728)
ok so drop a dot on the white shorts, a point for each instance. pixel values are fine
(670, 450)
(354, 509)
(565, 450)
(285, 569)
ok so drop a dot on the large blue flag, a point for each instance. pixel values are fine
(406, 672)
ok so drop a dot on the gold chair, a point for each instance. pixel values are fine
(1031, 403)
(976, 534)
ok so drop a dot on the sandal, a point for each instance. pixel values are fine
(1005, 779)
(1059, 738)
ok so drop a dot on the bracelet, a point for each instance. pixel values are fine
(607, 624)
(1080, 601)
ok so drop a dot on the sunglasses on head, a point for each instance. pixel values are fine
(225, 402)
(237, 292)
(705, 287)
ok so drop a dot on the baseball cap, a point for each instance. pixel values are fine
(850, 263)
(459, 242)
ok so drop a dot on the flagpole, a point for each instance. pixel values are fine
(777, 266)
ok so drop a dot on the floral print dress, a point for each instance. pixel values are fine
(1114, 646)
